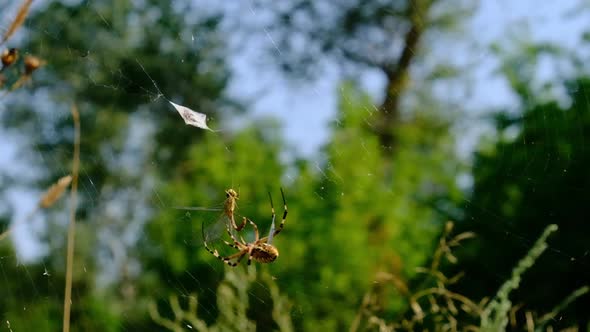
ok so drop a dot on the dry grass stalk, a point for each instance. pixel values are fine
(513, 310)
(55, 192)
(530, 322)
(18, 20)
(429, 303)
(72, 226)
(182, 318)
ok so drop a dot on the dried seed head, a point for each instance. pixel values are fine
(448, 227)
(32, 63)
(55, 191)
(9, 57)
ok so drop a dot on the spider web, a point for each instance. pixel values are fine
(122, 217)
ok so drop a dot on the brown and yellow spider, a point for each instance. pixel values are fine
(261, 250)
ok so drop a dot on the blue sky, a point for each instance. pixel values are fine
(306, 110)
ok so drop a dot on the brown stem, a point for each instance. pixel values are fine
(72, 226)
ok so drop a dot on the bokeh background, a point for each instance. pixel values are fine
(424, 146)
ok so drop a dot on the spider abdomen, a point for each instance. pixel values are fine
(265, 253)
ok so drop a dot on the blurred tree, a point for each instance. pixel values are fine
(107, 56)
(384, 36)
(368, 201)
(347, 224)
(350, 217)
(535, 174)
(32, 294)
(102, 55)
(174, 256)
(344, 222)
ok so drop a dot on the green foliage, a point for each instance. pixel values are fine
(213, 166)
(365, 216)
(95, 57)
(362, 216)
(520, 59)
(95, 52)
(432, 306)
(495, 316)
(32, 297)
(341, 211)
(232, 300)
(532, 176)
(174, 248)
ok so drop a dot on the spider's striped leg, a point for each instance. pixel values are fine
(216, 253)
(240, 226)
(272, 209)
(256, 235)
(243, 241)
(250, 255)
(240, 258)
(236, 244)
(284, 214)
(232, 219)
(231, 244)
(280, 228)
(229, 232)
(227, 259)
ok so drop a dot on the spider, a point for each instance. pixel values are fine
(261, 250)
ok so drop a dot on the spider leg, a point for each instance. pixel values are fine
(227, 259)
(284, 214)
(233, 220)
(236, 242)
(240, 258)
(241, 238)
(231, 244)
(272, 224)
(250, 255)
(240, 226)
(256, 235)
(272, 208)
(272, 234)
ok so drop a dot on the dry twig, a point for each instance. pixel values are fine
(18, 20)
(72, 226)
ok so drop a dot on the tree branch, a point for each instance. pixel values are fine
(397, 74)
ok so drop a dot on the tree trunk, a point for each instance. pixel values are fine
(397, 77)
